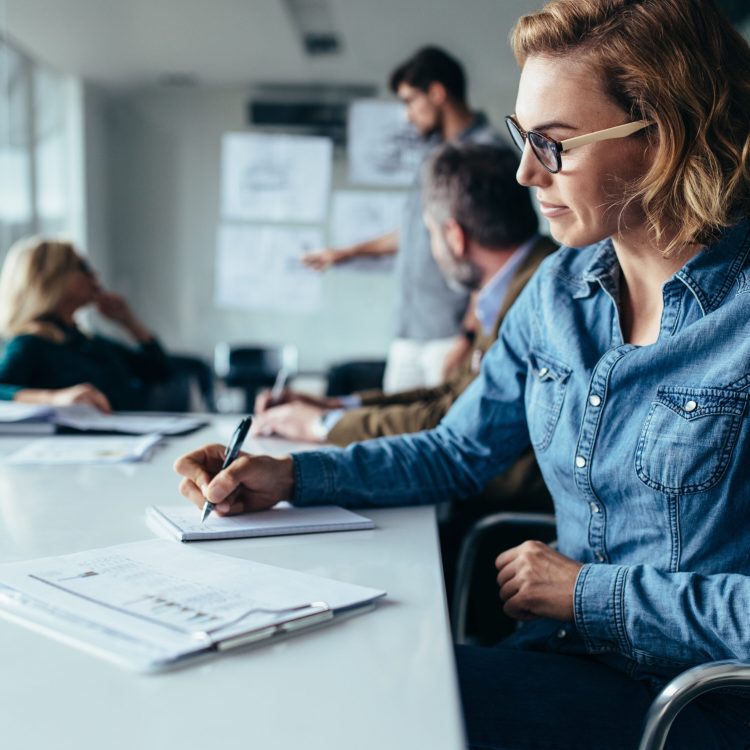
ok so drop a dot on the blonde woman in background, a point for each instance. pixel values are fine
(42, 285)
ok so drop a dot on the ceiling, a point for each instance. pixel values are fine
(136, 43)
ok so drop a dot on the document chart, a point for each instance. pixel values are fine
(147, 604)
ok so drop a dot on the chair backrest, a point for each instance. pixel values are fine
(358, 375)
(254, 367)
(190, 386)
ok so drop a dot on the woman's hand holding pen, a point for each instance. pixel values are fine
(249, 483)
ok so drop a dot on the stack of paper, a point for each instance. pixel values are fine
(183, 522)
(27, 419)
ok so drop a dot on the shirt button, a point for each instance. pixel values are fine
(544, 371)
(595, 400)
(594, 507)
(580, 462)
(562, 633)
(599, 556)
(690, 406)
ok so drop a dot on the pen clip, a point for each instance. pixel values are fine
(321, 612)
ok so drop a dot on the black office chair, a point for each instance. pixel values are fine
(190, 387)
(252, 368)
(358, 375)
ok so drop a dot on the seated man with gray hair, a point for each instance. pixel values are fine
(484, 236)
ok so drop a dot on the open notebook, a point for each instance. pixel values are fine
(156, 604)
(183, 522)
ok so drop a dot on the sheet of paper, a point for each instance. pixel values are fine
(83, 417)
(146, 603)
(268, 177)
(359, 215)
(258, 267)
(85, 450)
(383, 148)
(184, 522)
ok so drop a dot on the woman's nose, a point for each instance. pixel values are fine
(530, 171)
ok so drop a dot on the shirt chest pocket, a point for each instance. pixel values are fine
(688, 437)
(545, 391)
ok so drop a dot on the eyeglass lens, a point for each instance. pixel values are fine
(544, 149)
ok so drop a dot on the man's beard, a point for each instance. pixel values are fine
(460, 275)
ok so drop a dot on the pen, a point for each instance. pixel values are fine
(278, 385)
(229, 455)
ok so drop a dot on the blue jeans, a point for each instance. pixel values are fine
(519, 700)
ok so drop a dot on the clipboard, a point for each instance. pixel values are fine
(155, 605)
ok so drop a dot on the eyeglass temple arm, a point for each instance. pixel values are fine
(618, 131)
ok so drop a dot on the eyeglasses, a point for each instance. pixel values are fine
(547, 150)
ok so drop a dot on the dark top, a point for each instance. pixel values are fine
(121, 373)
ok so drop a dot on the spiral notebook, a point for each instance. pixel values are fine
(183, 522)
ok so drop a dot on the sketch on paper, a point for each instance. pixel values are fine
(359, 215)
(258, 267)
(266, 177)
(383, 149)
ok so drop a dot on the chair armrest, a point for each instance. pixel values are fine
(684, 688)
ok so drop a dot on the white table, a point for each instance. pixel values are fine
(380, 680)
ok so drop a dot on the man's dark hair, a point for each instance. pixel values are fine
(475, 184)
(431, 65)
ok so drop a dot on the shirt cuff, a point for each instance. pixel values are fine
(329, 420)
(353, 401)
(314, 478)
(599, 608)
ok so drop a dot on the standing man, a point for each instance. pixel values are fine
(430, 311)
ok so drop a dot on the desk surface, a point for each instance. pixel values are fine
(382, 679)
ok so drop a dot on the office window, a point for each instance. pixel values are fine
(50, 151)
(35, 153)
(16, 203)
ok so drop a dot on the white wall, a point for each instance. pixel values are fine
(163, 160)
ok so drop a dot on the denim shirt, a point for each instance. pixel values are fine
(645, 450)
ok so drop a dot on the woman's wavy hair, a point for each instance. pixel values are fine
(32, 285)
(680, 65)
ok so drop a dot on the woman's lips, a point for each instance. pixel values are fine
(551, 210)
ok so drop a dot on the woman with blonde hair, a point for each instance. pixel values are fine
(42, 285)
(625, 364)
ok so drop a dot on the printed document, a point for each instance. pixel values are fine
(149, 605)
(85, 450)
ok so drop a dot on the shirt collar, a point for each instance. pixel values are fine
(709, 275)
(492, 295)
(716, 269)
(479, 122)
